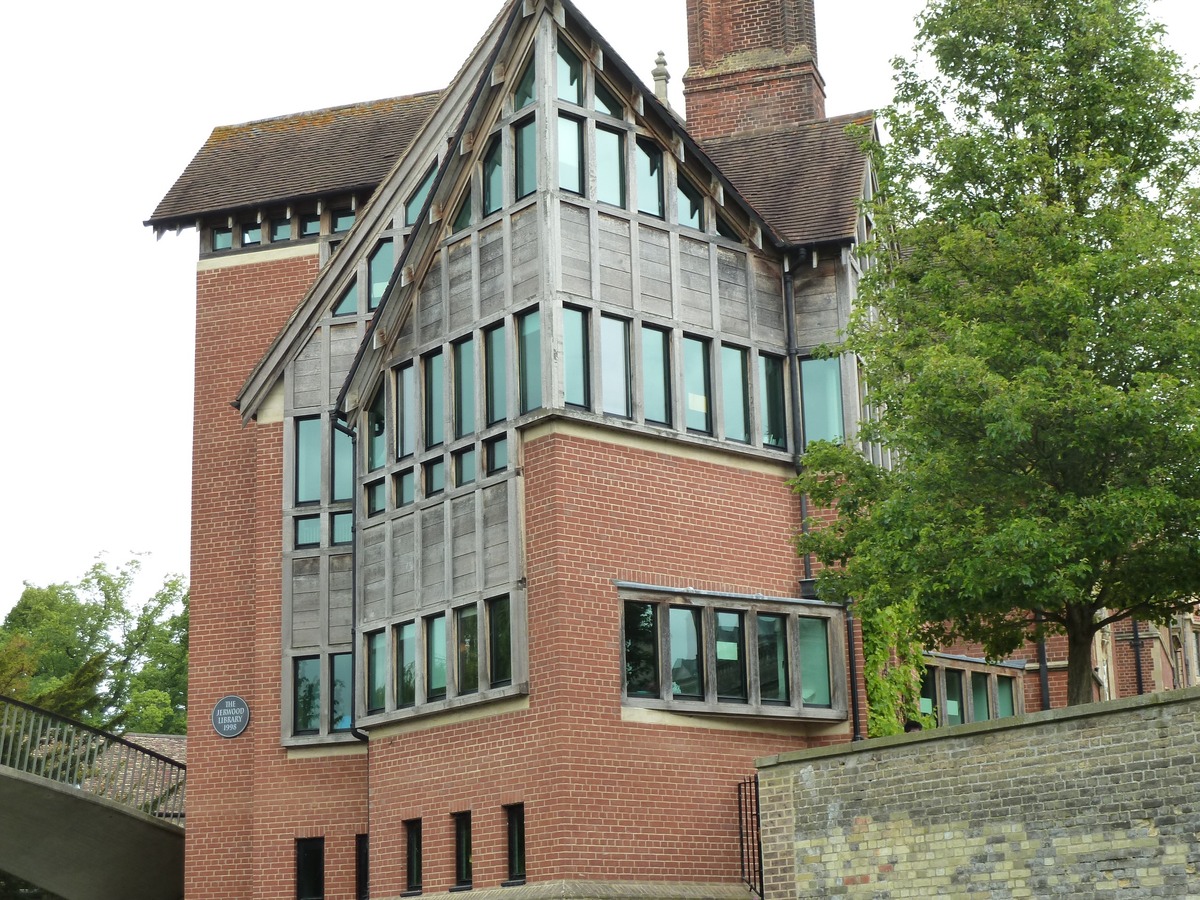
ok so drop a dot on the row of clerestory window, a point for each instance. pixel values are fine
(277, 228)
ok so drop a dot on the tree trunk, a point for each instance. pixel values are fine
(1080, 680)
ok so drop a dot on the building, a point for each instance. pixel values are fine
(494, 540)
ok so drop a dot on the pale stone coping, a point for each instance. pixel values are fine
(667, 445)
(470, 713)
(604, 890)
(266, 254)
(787, 727)
(358, 748)
(1044, 717)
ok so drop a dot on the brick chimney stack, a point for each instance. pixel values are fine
(752, 66)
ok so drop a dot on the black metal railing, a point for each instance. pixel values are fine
(59, 749)
(750, 834)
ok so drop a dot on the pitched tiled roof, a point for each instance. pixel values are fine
(804, 180)
(338, 150)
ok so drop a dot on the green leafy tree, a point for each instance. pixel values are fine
(1030, 333)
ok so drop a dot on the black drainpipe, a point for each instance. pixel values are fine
(1043, 664)
(1137, 657)
(353, 435)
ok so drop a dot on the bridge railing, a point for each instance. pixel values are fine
(54, 747)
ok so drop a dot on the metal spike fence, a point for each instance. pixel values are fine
(59, 749)
(750, 835)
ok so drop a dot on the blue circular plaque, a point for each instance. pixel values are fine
(230, 716)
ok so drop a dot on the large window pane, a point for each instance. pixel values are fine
(821, 400)
(773, 675)
(691, 204)
(379, 271)
(406, 410)
(526, 91)
(412, 208)
(774, 417)
(525, 149)
(656, 374)
(435, 379)
(463, 219)
(499, 641)
(496, 385)
(310, 868)
(641, 649)
(614, 366)
(814, 662)
(606, 101)
(929, 703)
(570, 75)
(308, 460)
(376, 670)
(462, 849)
(731, 656)
(570, 154)
(735, 394)
(696, 385)
(306, 695)
(466, 635)
(1005, 702)
(493, 178)
(406, 664)
(348, 305)
(308, 531)
(435, 657)
(412, 855)
(515, 819)
(954, 697)
(649, 163)
(343, 527)
(464, 387)
(341, 692)
(687, 660)
(376, 433)
(529, 359)
(575, 357)
(343, 466)
(610, 167)
(979, 697)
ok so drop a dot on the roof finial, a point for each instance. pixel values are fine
(661, 77)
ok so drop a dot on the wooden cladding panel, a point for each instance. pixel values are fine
(527, 268)
(576, 250)
(654, 259)
(306, 601)
(616, 280)
(341, 583)
(732, 287)
(308, 385)
(462, 305)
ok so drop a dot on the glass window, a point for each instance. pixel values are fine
(649, 178)
(463, 219)
(308, 531)
(281, 230)
(379, 271)
(341, 691)
(607, 102)
(526, 91)
(308, 460)
(462, 849)
(343, 466)
(980, 707)
(1005, 701)
(310, 225)
(696, 385)
(954, 697)
(222, 239)
(493, 178)
(412, 208)
(406, 664)
(464, 387)
(465, 471)
(435, 657)
(376, 437)
(929, 702)
(656, 374)
(376, 671)
(570, 154)
(529, 359)
(731, 656)
(725, 230)
(570, 74)
(515, 820)
(610, 166)
(575, 357)
(406, 411)
(406, 487)
(691, 204)
(376, 497)
(348, 305)
(641, 649)
(614, 366)
(435, 477)
(362, 867)
(771, 406)
(525, 150)
(412, 855)
(773, 678)
(435, 376)
(496, 382)
(251, 234)
(466, 634)
(735, 393)
(497, 454)
(687, 658)
(306, 695)
(341, 220)
(310, 868)
(342, 527)
(814, 662)
(821, 400)
(499, 642)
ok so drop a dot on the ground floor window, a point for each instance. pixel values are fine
(412, 855)
(462, 849)
(310, 868)
(515, 821)
(958, 690)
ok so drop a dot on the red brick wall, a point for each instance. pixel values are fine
(605, 799)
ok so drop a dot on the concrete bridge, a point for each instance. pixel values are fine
(85, 814)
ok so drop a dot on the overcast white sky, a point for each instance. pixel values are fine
(106, 103)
